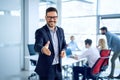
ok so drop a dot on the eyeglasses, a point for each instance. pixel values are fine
(52, 17)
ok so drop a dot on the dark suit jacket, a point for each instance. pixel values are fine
(44, 63)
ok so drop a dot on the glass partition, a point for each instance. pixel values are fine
(10, 38)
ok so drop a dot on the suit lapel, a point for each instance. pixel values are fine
(48, 33)
(50, 37)
(58, 36)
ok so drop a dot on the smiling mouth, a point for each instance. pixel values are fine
(51, 21)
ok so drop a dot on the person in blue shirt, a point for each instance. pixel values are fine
(73, 45)
(113, 43)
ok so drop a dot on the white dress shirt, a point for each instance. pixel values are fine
(92, 55)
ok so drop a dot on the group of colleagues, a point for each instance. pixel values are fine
(51, 45)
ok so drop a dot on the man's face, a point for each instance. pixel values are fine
(103, 32)
(51, 18)
(72, 38)
(87, 45)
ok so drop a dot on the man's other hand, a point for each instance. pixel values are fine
(63, 54)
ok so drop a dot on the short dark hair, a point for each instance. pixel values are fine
(51, 9)
(103, 28)
(88, 41)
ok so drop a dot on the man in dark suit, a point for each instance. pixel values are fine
(50, 44)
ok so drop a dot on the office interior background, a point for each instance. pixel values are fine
(19, 20)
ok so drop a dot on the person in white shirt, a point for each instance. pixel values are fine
(91, 54)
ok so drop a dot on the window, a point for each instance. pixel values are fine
(79, 19)
(109, 7)
(43, 5)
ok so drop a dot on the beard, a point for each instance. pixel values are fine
(52, 24)
(103, 33)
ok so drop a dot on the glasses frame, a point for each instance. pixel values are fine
(52, 17)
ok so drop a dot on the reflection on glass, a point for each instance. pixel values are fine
(2, 13)
(15, 13)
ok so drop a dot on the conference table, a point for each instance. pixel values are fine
(66, 61)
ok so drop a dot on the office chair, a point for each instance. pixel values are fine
(68, 52)
(32, 52)
(105, 53)
(98, 68)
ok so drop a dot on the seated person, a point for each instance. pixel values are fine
(92, 55)
(102, 44)
(72, 45)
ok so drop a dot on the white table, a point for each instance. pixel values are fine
(65, 60)
(76, 52)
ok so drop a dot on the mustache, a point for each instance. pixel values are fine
(51, 21)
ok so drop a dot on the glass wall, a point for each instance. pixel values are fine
(112, 24)
(79, 19)
(10, 38)
(110, 15)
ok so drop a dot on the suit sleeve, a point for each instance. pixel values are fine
(64, 41)
(109, 38)
(38, 41)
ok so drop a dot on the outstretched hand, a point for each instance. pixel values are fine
(63, 54)
(46, 50)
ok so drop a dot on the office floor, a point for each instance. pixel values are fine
(24, 74)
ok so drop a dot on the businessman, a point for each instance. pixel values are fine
(113, 43)
(50, 44)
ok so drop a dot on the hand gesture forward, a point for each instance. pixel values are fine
(46, 50)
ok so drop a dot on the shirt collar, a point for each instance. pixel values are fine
(55, 29)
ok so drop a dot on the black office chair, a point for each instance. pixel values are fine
(32, 52)
(68, 52)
